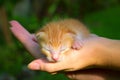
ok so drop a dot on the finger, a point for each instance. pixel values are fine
(17, 28)
(39, 64)
(25, 38)
(21, 33)
(34, 38)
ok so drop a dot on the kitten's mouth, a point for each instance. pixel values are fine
(54, 61)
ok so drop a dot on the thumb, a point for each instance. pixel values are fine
(40, 64)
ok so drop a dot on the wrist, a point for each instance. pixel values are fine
(108, 54)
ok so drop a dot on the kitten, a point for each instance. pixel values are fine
(57, 37)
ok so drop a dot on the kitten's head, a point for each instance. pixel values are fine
(54, 40)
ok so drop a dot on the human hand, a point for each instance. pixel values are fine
(88, 56)
(27, 39)
(84, 58)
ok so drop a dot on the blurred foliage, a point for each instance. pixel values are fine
(105, 23)
(100, 16)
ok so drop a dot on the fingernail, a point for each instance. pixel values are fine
(34, 66)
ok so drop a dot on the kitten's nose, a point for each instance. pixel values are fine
(55, 57)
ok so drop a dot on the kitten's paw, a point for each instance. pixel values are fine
(77, 45)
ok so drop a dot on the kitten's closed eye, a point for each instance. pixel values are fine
(63, 48)
(47, 49)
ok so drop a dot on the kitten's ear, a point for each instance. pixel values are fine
(70, 33)
(40, 34)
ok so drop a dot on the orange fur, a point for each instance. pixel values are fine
(55, 38)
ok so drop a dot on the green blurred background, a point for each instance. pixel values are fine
(102, 17)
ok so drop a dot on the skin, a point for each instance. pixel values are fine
(98, 53)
